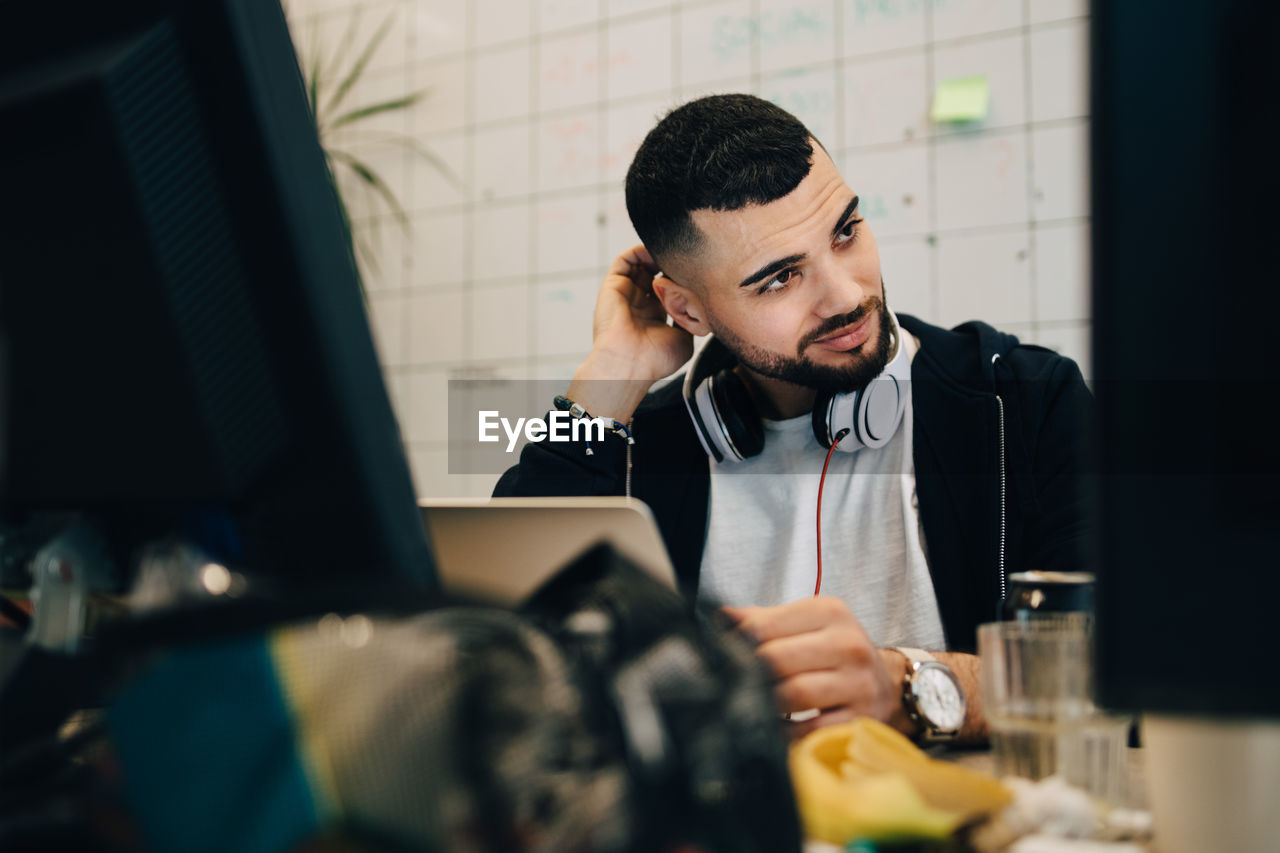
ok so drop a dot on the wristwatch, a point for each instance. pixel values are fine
(932, 697)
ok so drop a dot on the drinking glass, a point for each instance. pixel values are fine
(1037, 694)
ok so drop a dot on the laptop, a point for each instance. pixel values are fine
(503, 550)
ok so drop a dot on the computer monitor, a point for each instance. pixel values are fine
(183, 339)
(1186, 184)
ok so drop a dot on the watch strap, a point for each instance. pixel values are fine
(914, 655)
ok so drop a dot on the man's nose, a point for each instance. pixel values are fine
(838, 291)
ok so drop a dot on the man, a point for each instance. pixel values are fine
(759, 242)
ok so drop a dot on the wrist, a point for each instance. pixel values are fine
(608, 387)
(898, 667)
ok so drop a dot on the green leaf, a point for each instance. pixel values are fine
(375, 109)
(374, 181)
(348, 39)
(357, 69)
(326, 99)
(367, 253)
(435, 160)
(416, 147)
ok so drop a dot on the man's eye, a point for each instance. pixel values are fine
(849, 231)
(778, 282)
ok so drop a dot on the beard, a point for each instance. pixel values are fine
(862, 364)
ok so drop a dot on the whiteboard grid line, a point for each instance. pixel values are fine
(602, 144)
(493, 282)
(469, 235)
(633, 100)
(868, 56)
(931, 161)
(560, 193)
(404, 263)
(535, 151)
(496, 282)
(539, 278)
(1028, 101)
(754, 49)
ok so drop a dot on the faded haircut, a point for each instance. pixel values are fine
(721, 152)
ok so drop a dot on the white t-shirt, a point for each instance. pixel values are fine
(761, 540)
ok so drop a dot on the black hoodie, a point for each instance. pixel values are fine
(1000, 444)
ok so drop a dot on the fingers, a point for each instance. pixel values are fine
(638, 256)
(629, 286)
(824, 689)
(631, 335)
(635, 265)
(823, 659)
(796, 617)
(857, 688)
(826, 649)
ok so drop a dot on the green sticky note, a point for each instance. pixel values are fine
(961, 99)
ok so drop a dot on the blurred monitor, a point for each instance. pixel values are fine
(1186, 186)
(183, 338)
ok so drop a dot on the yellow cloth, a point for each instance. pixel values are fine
(865, 780)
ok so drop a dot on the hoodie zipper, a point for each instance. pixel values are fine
(628, 480)
(1003, 493)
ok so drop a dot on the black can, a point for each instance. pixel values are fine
(1033, 595)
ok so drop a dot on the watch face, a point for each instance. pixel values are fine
(939, 697)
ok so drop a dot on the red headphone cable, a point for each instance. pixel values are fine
(821, 481)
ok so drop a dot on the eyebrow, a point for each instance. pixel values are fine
(774, 267)
(844, 217)
(771, 268)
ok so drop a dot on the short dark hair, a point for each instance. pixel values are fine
(721, 152)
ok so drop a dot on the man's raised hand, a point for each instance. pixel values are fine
(632, 344)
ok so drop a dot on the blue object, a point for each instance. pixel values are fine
(208, 754)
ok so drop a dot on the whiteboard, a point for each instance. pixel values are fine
(537, 108)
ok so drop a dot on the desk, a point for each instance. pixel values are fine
(1135, 786)
(981, 759)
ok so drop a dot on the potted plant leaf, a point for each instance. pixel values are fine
(332, 76)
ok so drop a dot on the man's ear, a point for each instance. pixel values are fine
(682, 304)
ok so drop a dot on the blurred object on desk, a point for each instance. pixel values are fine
(1227, 769)
(1053, 844)
(607, 714)
(864, 780)
(1037, 594)
(1053, 808)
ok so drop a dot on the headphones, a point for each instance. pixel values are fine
(730, 428)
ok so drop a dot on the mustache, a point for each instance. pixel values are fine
(832, 325)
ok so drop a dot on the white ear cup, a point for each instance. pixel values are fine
(713, 426)
(881, 408)
(871, 416)
(708, 422)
